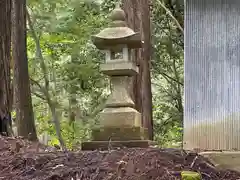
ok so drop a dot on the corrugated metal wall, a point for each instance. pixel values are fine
(212, 74)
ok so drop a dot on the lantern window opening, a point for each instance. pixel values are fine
(116, 55)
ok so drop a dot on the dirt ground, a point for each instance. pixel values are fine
(22, 160)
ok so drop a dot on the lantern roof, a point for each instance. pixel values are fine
(118, 33)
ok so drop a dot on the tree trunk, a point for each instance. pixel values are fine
(131, 9)
(72, 109)
(5, 78)
(24, 109)
(146, 75)
(138, 18)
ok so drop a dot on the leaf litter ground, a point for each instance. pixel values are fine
(23, 160)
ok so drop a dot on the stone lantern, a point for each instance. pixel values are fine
(120, 122)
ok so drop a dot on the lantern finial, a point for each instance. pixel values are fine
(118, 17)
(118, 5)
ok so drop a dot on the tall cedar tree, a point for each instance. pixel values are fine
(22, 92)
(146, 75)
(138, 18)
(5, 79)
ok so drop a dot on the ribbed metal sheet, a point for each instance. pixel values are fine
(212, 75)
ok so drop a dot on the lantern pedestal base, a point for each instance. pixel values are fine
(224, 160)
(106, 145)
(119, 133)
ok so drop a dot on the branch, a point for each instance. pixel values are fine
(171, 15)
(32, 81)
(39, 95)
(41, 88)
(166, 121)
(45, 90)
(171, 78)
(164, 90)
(179, 98)
(38, 50)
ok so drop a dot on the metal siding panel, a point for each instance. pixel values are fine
(212, 75)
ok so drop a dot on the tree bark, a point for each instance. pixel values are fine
(24, 109)
(5, 78)
(72, 109)
(146, 75)
(138, 18)
(131, 9)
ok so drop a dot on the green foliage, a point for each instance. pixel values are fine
(64, 30)
(167, 83)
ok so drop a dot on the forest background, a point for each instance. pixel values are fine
(59, 66)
